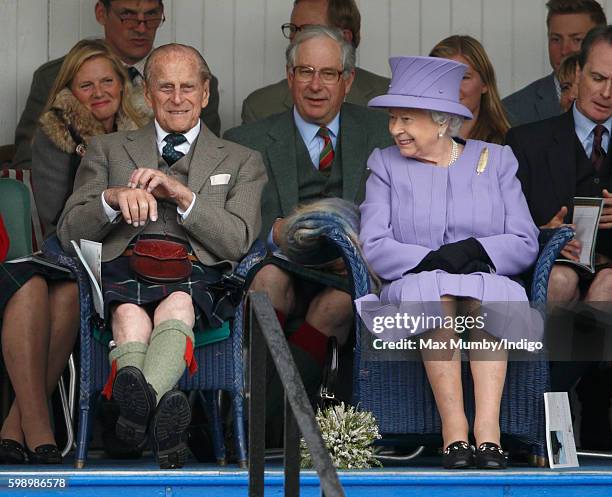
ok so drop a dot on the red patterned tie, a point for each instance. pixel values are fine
(326, 157)
(598, 154)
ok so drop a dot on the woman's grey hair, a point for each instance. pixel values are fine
(317, 31)
(453, 120)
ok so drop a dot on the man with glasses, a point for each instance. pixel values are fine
(342, 14)
(129, 28)
(315, 150)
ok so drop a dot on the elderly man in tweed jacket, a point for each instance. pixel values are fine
(172, 180)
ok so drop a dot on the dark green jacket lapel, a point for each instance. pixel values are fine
(282, 161)
(354, 142)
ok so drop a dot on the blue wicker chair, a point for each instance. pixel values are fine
(383, 387)
(220, 365)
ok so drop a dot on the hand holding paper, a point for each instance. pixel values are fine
(605, 222)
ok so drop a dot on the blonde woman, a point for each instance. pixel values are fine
(88, 99)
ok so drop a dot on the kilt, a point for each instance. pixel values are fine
(14, 276)
(213, 303)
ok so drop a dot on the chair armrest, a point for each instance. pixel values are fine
(554, 241)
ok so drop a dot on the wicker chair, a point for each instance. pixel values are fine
(220, 365)
(383, 387)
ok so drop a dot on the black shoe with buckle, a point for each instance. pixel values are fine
(45, 454)
(458, 455)
(136, 401)
(490, 456)
(168, 438)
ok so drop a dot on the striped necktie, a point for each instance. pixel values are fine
(326, 157)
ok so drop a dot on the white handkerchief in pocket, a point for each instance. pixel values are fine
(220, 179)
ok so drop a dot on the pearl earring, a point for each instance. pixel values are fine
(440, 134)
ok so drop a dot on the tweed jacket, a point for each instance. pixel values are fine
(361, 131)
(225, 219)
(276, 98)
(43, 80)
(535, 102)
(54, 157)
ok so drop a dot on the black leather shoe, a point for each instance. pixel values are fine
(490, 456)
(458, 455)
(12, 452)
(114, 447)
(136, 401)
(45, 454)
(171, 419)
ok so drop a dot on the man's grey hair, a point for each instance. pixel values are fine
(317, 31)
(453, 121)
(177, 49)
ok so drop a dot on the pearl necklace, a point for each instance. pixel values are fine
(454, 155)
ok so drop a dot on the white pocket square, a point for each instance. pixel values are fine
(220, 179)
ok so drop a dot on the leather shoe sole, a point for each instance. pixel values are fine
(136, 401)
(171, 419)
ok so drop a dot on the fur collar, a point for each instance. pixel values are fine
(66, 112)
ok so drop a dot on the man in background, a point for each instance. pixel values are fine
(568, 22)
(341, 14)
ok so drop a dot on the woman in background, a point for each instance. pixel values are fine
(478, 89)
(39, 306)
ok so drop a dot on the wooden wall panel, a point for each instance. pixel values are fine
(218, 25)
(248, 53)
(32, 45)
(497, 40)
(8, 63)
(435, 23)
(64, 26)
(404, 28)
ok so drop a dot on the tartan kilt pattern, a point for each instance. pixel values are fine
(213, 305)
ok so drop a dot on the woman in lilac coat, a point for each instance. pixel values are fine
(446, 221)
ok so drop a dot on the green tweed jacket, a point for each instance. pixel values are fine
(276, 98)
(361, 131)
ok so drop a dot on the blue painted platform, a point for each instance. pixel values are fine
(421, 478)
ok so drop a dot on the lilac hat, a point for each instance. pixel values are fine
(430, 83)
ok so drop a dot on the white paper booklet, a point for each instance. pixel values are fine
(38, 258)
(559, 432)
(587, 211)
(90, 254)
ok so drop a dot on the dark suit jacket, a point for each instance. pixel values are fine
(276, 98)
(546, 153)
(225, 219)
(42, 82)
(535, 102)
(361, 131)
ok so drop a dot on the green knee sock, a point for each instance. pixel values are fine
(165, 360)
(129, 354)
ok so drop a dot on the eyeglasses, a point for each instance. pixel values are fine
(130, 20)
(289, 29)
(327, 75)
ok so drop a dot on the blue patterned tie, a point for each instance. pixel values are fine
(169, 154)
